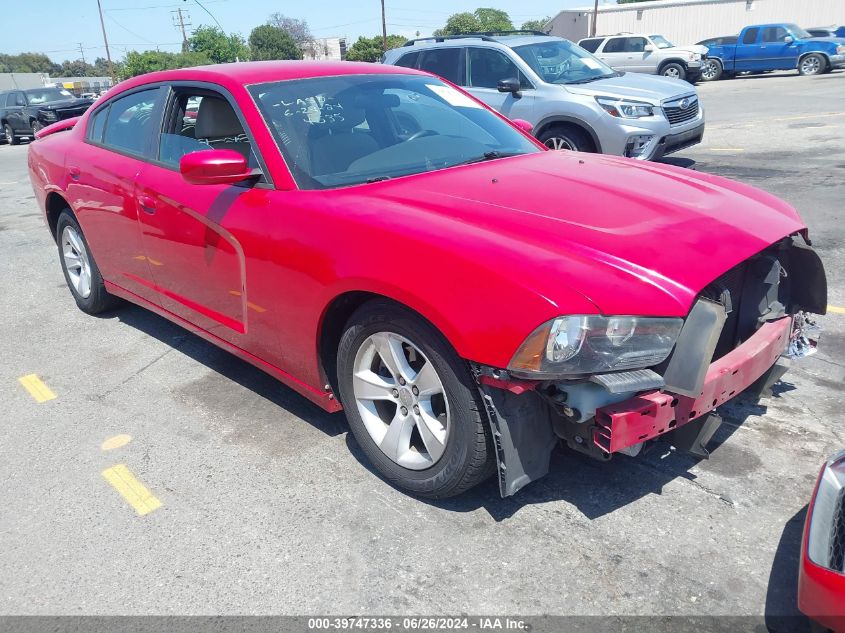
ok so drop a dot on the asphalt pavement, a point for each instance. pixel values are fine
(247, 499)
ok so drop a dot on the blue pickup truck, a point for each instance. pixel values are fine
(764, 47)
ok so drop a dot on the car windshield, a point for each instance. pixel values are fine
(353, 129)
(44, 95)
(562, 62)
(661, 42)
(797, 32)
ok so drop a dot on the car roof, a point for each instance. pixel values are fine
(246, 73)
(510, 41)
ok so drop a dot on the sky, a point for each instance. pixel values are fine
(59, 27)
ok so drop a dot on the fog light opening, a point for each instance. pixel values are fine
(637, 145)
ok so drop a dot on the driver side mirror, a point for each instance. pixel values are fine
(509, 85)
(789, 39)
(214, 167)
(523, 125)
(648, 48)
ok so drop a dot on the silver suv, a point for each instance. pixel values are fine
(573, 100)
(652, 54)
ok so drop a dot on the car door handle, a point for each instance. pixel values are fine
(75, 172)
(147, 204)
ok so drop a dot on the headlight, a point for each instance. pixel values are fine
(624, 108)
(840, 50)
(828, 516)
(589, 344)
(48, 115)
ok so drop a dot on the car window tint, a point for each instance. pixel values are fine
(16, 99)
(487, 67)
(10, 100)
(615, 45)
(774, 34)
(408, 61)
(130, 121)
(750, 36)
(445, 62)
(97, 124)
(590, 45)
(203, 121)
(634, 45)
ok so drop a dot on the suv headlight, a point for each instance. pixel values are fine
(589, 344)
(840, 50)
(48, 115)
(625, 108)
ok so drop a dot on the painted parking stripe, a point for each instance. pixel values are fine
(116, 442)
(133, 491)
(36, 388)
(836, 309)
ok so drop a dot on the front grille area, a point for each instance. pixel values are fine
(69, 113)
(677, 115)
(837, 535)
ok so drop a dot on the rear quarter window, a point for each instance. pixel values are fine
(97, 124)
(591, 45)
(408, 61)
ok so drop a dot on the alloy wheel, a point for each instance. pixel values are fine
(811, 65)
(558, 142)
(76, 261)
(672, 72)
(10, 137)
(709, 71)
(401, 400)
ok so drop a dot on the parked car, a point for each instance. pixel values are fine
(383, 242)
(572, 100)
(827, 31)
(24, 112)
(653, 54)
(765, 47)
(821, 576)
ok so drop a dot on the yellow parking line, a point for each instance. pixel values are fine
(116, 442)
(836, 309)
(132, 490)
(37, 389)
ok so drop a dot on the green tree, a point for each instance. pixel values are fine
(369, 49)
(536, 25)
(217, 46)
(493, 20)
(270, 42)
(76, 68)
(149, 61)
(482, 19)
(28, 63)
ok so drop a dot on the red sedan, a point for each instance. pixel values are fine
(382, 242)
(821, 578)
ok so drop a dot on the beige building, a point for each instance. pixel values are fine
(689, 21)
(326, 48)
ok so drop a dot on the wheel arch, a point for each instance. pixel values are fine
(820, 53)
(546, 123)
(671, 60)
(54, 204)
(336, 314)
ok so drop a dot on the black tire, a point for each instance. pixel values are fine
(9, 135)
(98, 300)
(36, 125)
(468, 456)
(674, 70)
(812, 64)
(711, 70)
(568, 136)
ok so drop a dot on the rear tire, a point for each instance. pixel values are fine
(569, 137)
(9, 135)
(423, 397)
(673, 70)
(81, 272)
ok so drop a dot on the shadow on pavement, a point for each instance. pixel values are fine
(782, 612)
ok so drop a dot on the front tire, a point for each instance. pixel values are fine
(81, 272)
(674, 70)
(569, 137)
(36, 126)
(812, 64)
(711, 70)
(411, 403)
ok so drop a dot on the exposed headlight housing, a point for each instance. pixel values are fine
(625, 108)
(589, 344)
(825, 544)
(48, 115)
(840, 50)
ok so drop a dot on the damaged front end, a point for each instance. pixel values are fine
(740, 336)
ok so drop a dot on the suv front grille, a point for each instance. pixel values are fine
(837, 535)
(678, 114)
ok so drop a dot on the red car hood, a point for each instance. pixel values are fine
(633, 237)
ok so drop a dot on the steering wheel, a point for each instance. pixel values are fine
(420, 134)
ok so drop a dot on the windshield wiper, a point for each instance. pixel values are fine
(377, 179)
(589, 79)
(491, 155)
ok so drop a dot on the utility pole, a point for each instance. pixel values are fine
(81, 51)
(106, 42)
(595, 17)
(383, 28)
(179, 20)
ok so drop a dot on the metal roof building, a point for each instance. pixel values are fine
(688, 21)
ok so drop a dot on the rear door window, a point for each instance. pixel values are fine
(444, 62)
(131, 120)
